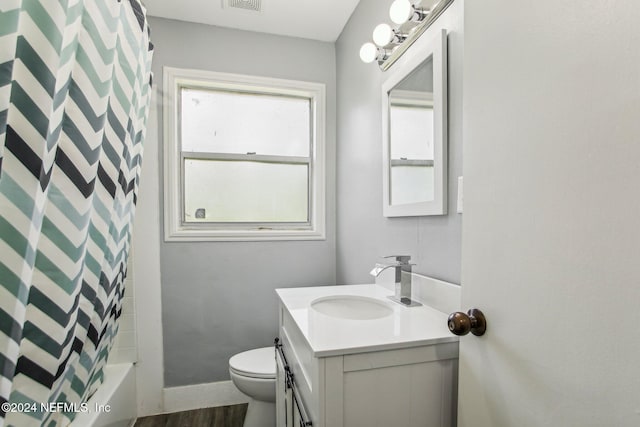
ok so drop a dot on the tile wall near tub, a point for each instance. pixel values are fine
(124, 349)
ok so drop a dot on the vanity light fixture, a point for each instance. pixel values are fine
(402, 11)
(369, 52)
(412, 20)
(384, 35)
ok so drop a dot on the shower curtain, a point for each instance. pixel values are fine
(75, 87)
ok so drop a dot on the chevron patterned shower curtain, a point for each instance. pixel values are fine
(75, 86)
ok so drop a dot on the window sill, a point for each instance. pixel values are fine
(200, 235)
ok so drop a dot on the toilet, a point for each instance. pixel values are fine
(254, 373)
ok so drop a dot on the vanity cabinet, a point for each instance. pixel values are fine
(409, 387)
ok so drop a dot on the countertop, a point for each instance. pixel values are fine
(332, 336)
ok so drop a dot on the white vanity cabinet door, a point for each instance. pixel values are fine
(307, 370)
(290, 408)
(297, 419)
(410, 387)
(411, 395)
(283, 395)
(300, 415)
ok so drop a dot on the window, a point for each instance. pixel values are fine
(244, 157)
(411, 155)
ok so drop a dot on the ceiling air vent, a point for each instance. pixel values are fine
(255, 5)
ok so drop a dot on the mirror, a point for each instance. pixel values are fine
(414, 132)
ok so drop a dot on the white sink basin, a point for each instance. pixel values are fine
(351, 307)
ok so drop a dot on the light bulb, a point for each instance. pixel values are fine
(382, 35)
(368, 52)
(400, 11)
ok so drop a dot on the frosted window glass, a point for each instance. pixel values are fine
(234, 122)
(411, 184)
(240, 191)
(411, 131)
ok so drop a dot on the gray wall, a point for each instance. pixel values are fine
(364, 234)
(218, 297)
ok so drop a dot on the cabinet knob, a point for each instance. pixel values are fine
(473, 321)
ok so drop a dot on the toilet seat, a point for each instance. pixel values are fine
(258, 363)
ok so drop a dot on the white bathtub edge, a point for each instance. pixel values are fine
(114, 403)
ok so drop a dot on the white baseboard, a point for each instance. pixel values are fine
(198, 396)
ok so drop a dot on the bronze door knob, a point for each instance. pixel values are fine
(473, 321)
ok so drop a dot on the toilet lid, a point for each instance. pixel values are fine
(258, 363)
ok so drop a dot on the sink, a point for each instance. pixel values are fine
(351, 307)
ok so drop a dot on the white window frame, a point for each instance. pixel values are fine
(175, 229)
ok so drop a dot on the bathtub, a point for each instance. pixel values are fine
(114, 403)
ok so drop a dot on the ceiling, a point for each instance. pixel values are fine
(312, 19)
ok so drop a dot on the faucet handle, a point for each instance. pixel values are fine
(402, 259)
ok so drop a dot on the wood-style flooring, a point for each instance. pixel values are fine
(223, 416)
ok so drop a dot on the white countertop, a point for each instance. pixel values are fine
(331, 336)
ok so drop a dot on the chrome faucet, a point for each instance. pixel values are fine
(402, 281)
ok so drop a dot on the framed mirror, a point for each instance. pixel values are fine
(414, 131)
